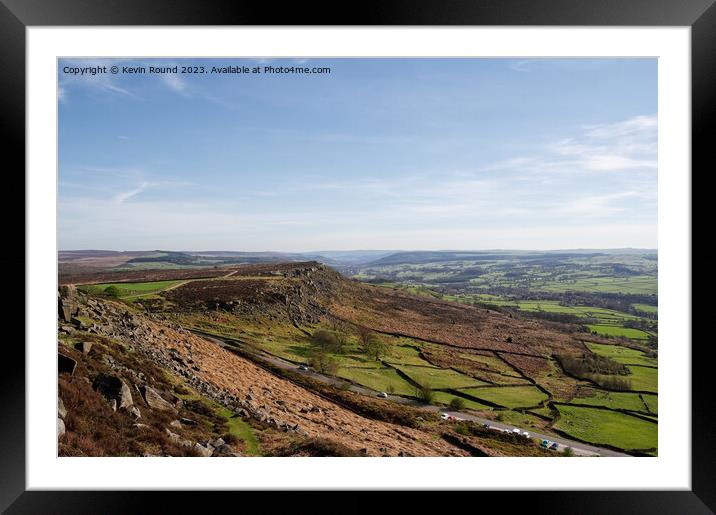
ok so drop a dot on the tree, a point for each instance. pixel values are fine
(457, 403)
(324, 340)
(375, 348)
(425, 393)
(568, 452)
(112, 291)
(329, 341)
(324, 363)
(364, 335)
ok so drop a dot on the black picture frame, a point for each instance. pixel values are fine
(17, 15)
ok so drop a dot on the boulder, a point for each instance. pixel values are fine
(172, 436)
(114, 388)
(134, 411)
(154, 400)
(203, 451)
(84, 347)
(225, 450)
(61, 411)
(188, 421)
(175, 423)
(65, 364)
(217, 443)
(60, 427)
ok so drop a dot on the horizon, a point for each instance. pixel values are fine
(580, 249)
(381, 153)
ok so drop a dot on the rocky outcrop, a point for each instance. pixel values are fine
(67, 304)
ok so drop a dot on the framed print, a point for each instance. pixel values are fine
(449, 248)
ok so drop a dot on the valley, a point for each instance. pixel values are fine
(281, 356)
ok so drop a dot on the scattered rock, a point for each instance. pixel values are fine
(61, 411)
(134, 411)
(217, 443)
(60, 427)
(113, 404)
(188, 421)
(175, 423)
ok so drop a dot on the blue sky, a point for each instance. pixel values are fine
(378, 154)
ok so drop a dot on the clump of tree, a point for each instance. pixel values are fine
(582, 366)
(373, 346)
(457, 403)
(324, 363)
(112, 291)
(604, 371)
(619, 383)
(328, 341)
(425, 393)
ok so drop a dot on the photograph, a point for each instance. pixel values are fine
(357, 257)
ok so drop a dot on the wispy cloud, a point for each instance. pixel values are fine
(122, 197)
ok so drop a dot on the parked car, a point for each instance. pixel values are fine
(302, 367)
(525, 434)
(382, 395)
(554, 446)
(517, 431)
(544, 444)
(486, 425)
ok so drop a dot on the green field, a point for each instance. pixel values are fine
(438, 378)
(130, 289)
(603, 427)
(641, 284)
(379, 379)
(509, 396)
(405, 355)
(616, 330)
(646, 308)
(643, 378)
(621, 354)
(614, 400)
